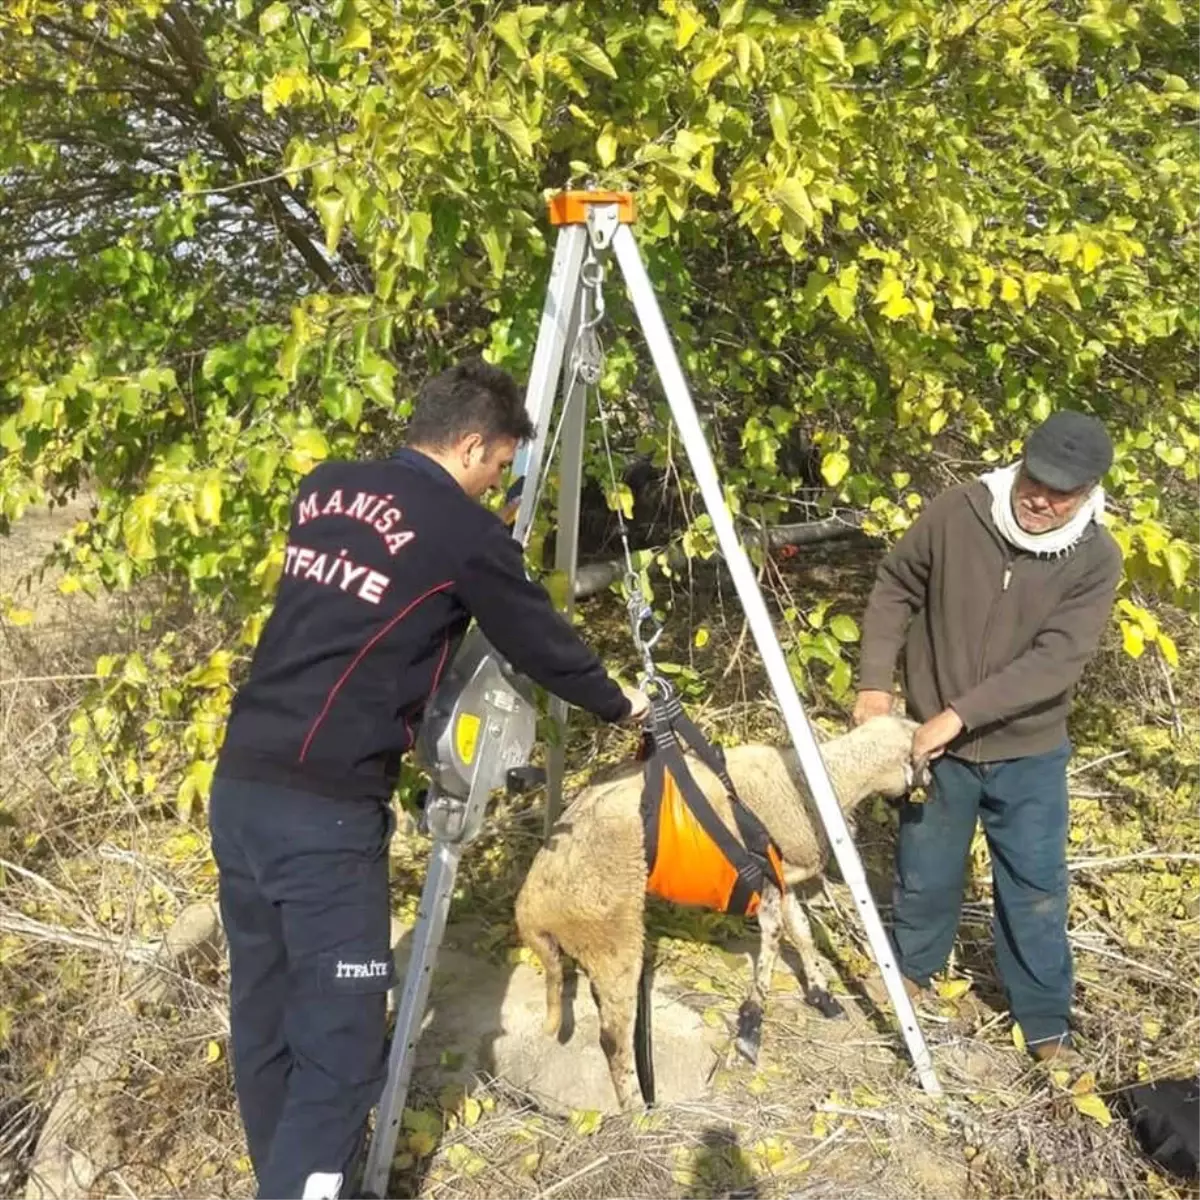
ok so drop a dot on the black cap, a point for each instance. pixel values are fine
(1067, 451)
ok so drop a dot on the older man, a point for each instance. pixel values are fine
(998, 596)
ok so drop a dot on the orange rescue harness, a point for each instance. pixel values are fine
(692, 857)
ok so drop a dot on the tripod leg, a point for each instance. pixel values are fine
(561, 295)
(566, 559)
(428, 932)
(427, 939)
(691, 433)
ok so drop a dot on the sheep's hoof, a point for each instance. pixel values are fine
(824, 1003)
(749, 1030)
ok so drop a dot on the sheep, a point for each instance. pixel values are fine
(585, 893)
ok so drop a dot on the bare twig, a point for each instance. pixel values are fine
(555, 1188)
(1096, 864)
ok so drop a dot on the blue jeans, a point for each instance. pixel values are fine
(1022, 803)
(304, 900)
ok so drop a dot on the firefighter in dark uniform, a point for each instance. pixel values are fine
(386, 563)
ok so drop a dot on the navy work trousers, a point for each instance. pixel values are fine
(1022, 804)
(304, 900)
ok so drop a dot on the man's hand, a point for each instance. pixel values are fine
(936, 734)
(871, 703)
(639, 704)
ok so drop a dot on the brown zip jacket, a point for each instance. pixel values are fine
(998, 634)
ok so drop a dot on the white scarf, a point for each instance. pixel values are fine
(1052, 543)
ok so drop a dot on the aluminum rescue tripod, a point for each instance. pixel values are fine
(480, 726)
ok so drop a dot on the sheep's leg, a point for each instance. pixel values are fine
(614, 982)
(547, 951)
(799, 931)
(750, 1015)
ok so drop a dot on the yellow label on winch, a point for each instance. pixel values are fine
(466, 734)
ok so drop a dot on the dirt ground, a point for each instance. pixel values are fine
(832, 1108)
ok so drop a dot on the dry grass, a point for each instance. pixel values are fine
(832, 1110)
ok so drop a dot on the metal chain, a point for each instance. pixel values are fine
(588, 361)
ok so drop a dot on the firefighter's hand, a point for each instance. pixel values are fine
(639, 704)
(871, 703)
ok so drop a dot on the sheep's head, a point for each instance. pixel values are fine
(887, 741)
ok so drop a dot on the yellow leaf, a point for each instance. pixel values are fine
(1090, 256)
(1084, 1084)
(686, 25)
(701, 638)
(358, 36)
(242, 1165)
(952, 989)
(606, 147)
(472, 1111)
(1168, 649)
(19, 616)
(1010, 289)
(834, 467)
(1068, 247)
(529, 1162)
(897, 307)
(741, 45)
(280, 88)
(1151, 1028)
(212, 1052)
(586, 1121)
(1133, 639)
(1092, 1106)
(1018, 1037)
(208, 501)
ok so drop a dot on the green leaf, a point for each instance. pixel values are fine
(964, 227)
(137, 526)
(779, 113)
(331, 206)
(9, 438)
(273, 18)
(793, 195)
(592, 56)
(516, 131)
(844, 628)
(834, 467)
(262, 461)
(1179, 562)
(420, 226)
(865, 51)
(507, 27)
(308, 448)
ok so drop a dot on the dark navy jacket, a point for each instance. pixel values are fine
(387, 562)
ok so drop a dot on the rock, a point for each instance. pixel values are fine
(485, 1020)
